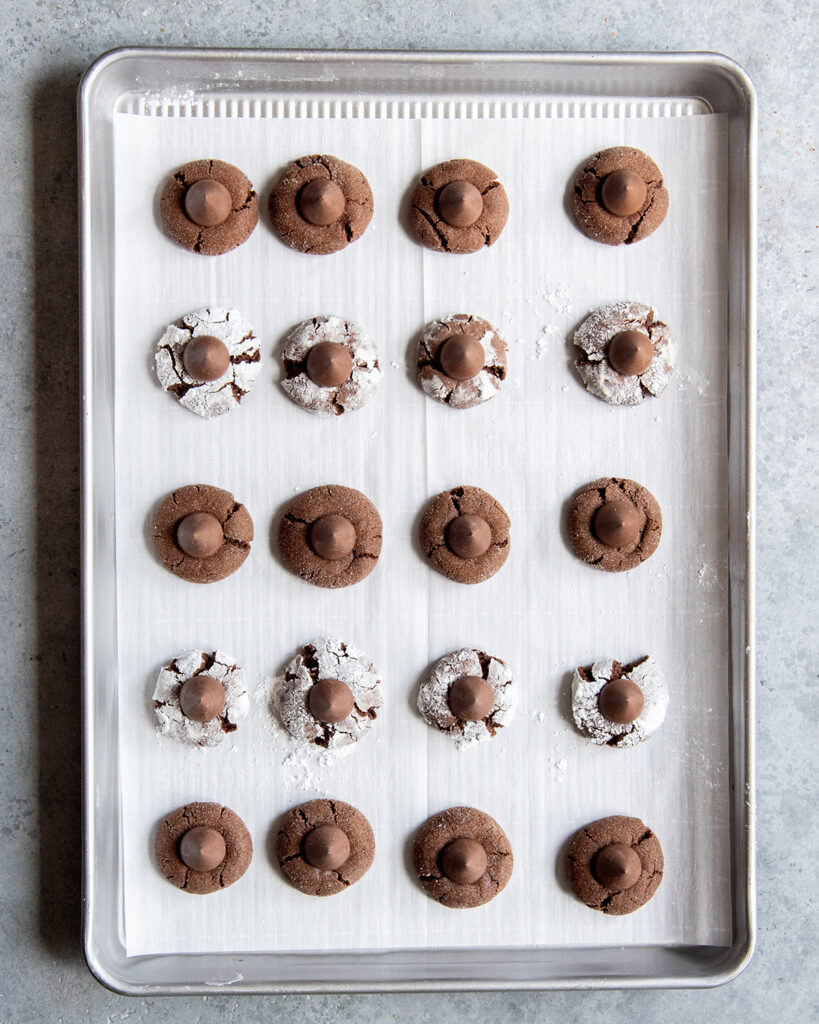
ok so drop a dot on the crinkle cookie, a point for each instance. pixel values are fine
(615, 864)
(329, 695)
(209, 360)
(619, 196)
(458, 206)
(199, 697)
(619, 705)
(331, 366)
(209, 206)
(468, 695)
(461, 360)
(321, 204)
(626, 353)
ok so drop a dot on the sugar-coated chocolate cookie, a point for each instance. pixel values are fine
(331, 366)
(461, 360)
(619, 196)
(465, 534)
(209, 360)
(626, 353)
(462, 857)
(329, 694)
(469, 695)
(209, 206)
(201, 533)
(459, 206)
(619, 705)
(321, 204)
(614, 524)
(324, 846)
(203, 847)
(330, 536)
(199, 697)
(615, 864)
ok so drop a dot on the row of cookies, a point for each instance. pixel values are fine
(461, 856)
(331, 535)
(210, 359)
(329, 696)
(321, 204)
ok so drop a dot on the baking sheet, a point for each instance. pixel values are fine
(531, 447)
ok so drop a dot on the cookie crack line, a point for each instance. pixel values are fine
(433, 224)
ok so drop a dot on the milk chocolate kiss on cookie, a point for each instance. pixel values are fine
(465, 534)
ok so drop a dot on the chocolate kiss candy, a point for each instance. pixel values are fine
(463, 861)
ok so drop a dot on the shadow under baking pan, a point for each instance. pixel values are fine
(56, 508)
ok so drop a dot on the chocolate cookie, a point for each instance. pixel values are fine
(209, 360)
(461, 360)
(615, 864)
(458, 206)
(201, 533)
(614, 524)
(331, 366)
(203, 847)
(329, 695)
(199, 697)
(325, 846)
(465, 534)
(321, 204)
(462, 857)
(626, 353)
(619, 705)
(468, 695)
(209, 206)
(619, 196)
(330, 536)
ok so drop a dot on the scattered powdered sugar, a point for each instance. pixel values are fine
(433, 702)
(356, 391)
(171, 721)
(588, 718)
(216, 397)
(560, 299)
(327, 659)
(693, 381)
(547, 333)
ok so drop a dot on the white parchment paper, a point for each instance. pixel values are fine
(531, 447)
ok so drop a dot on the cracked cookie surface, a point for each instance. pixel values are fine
(432, 230)
(238, 847)
(235, 520)
(581, 531)
(588, 681)
(364, 378)
(462, 823)
(593, 338)
(172, 721)
(441, 511)
(299, 822)
(328, 658)
(330, 500)
(215, 397)
(433, 695)
(595, 220)
(320, 240)
(588, 842)
(461, 394)
(221, 238)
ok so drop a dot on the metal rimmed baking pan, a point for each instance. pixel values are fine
(240, 83)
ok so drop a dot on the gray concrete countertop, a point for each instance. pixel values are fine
(46, 46)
